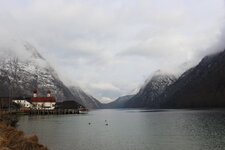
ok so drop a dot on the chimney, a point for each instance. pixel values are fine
(35, 93)
(48, 93)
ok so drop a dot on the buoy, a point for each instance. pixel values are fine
(89, 123)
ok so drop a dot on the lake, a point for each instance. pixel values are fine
(130, 129)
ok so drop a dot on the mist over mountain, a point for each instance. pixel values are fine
(200, 86)
(84, 98)
(20, 74)
(150, 92)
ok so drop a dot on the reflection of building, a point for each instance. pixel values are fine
(47, 102)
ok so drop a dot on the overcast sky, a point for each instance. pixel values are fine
(110, 47)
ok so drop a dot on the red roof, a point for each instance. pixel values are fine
(43, 99)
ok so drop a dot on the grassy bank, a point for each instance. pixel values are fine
(13, 139)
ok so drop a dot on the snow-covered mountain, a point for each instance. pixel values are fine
(200, 86)
(149, 93)
(22, 72)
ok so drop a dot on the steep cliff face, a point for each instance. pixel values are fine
(84, 98)
(20, 75)
(148, 95)
(118, 103)
(201, 86)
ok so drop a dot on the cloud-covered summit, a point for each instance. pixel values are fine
(110, 47)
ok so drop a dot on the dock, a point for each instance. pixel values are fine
(46, 112)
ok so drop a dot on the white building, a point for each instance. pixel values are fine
(23, 103)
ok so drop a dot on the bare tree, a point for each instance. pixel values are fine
(13, 75)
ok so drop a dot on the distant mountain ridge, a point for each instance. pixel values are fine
(20, 75)
(118, 103)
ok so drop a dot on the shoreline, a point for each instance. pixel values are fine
(14, 139)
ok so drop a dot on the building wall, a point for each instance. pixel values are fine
(44, 105)
(23, 103)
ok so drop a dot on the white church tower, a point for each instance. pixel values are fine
(48, 93)
(35, 93)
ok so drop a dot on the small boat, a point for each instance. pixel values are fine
(83, 110)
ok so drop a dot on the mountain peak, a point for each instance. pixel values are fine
(152, 89)
(33, 51)
(157, 76)
(31, 71)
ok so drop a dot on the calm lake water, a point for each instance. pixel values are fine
(130, 130)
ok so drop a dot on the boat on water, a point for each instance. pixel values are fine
(83, 110)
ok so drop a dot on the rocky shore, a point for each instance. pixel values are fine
(13, 139)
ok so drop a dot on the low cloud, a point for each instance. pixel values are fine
(106, 100)
(104, 86)
(109, 48)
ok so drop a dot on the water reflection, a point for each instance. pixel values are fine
(130, 130)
